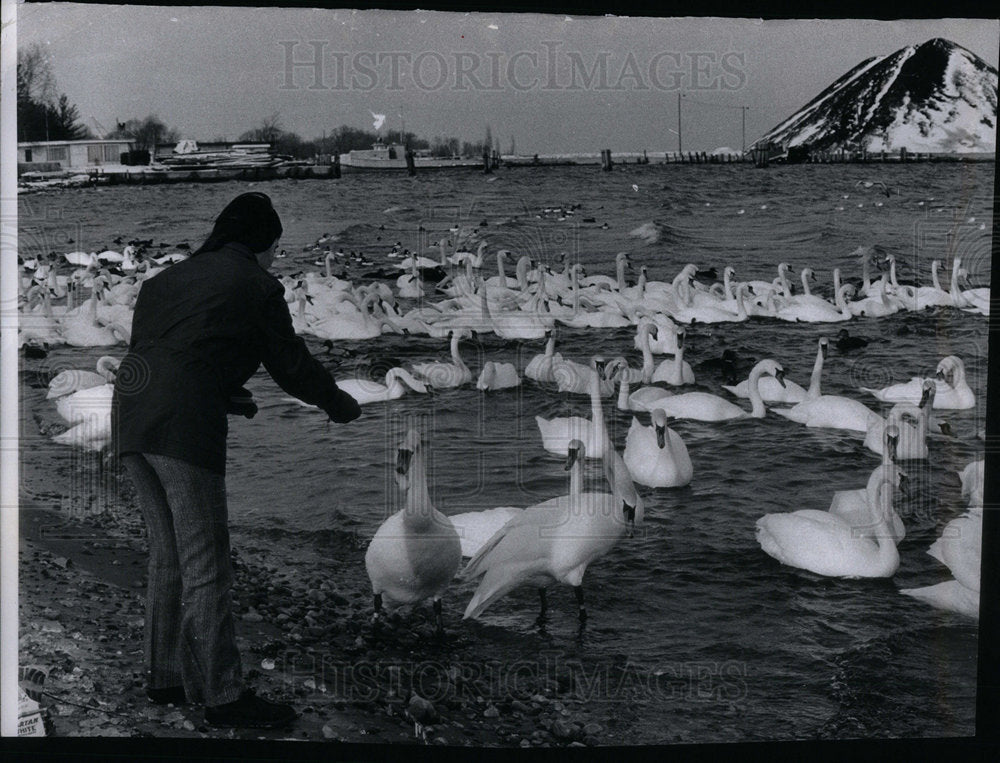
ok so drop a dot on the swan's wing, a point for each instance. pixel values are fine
(67, 382)
(501, 579)
(475, 528)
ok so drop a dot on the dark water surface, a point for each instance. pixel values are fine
(694, 629)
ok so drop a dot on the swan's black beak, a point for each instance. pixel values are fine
(780, 376)
(824, 348)
(946, 429)
(403, 457)
(680, 340)
(661, 437)
(600, 366)
(571, 455)
(893, 443)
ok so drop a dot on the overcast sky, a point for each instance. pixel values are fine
(550, 82)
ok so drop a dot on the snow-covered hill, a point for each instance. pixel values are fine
(936, 97)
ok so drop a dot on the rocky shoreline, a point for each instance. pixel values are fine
(305, 638)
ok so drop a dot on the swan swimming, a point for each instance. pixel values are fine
(558, 433)
(74, 380)
(442, 375)
(852, 505)
(773, 392)
(703, 406)
(953, 391)
(825, 544)
(416, 552)
(657, 456)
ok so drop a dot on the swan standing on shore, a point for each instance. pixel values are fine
(416, 552)
(554, 541)
(825, 544)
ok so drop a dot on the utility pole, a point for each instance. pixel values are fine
(744, 110)
(679, 145)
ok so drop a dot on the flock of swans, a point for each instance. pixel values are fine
(416, 554)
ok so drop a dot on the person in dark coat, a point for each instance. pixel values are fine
(201, 329)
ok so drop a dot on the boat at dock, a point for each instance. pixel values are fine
(392, 156)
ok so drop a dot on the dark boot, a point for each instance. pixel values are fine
(250, 711)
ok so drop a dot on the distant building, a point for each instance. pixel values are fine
(54, 155)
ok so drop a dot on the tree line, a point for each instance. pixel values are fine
(42, 115)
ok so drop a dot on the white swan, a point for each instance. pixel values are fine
(552, 541)
(540, 367)
(953, 391)
(771, 391)
(397, 381)
(703, 406)
(74, 380)
(960, 549)
(475, 528)
(973, 480)
(912, 437)
(676, 371)
(663, 341)
(808, 308)
(81, 328)
(825, 544)
(557, 433)
(416, 552)
(656, 455)
(442, 375)
(829, 411)
(88, 411)
(852, 505)
(971, 300)
(497, 375)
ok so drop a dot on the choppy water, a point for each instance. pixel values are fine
(695, 630)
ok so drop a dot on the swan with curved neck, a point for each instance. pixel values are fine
(825, 544)
(953, 391)
(415, 553)
(853, 506)
(789, 392)
(397, 382)
(74, 380)
(443, 375)
(828, 411)
(703, 406)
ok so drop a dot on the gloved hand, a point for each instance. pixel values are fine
(242, 404)
(344, 409)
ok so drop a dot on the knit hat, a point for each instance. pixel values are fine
(248, 219)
